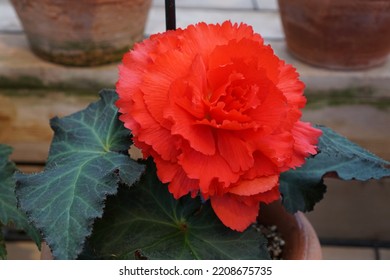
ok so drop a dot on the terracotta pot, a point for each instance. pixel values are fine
(338, 34)
(46, 252)
(301, 240)
(83, 32)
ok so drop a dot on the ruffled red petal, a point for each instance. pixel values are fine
(207, 168)
(182, 185)
(234, 212)
(234, 150)
(255, 186)
(305, 141)
(220, 114)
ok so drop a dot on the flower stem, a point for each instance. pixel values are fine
(170, 15)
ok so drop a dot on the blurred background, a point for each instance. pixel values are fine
(57, 67)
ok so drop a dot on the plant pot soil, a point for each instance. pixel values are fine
(337, 34)
(83, 32)
(301, 241)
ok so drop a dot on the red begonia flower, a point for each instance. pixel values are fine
(219, 113)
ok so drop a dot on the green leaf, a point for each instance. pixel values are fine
(88, 158)
(303, 188)
(9, 212)
(3, 250)
(147, 222)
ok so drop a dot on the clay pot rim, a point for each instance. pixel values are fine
(301, 239)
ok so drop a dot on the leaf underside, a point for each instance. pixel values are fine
(303, 187)
(10, 214)
(88, 159)
(146, 222)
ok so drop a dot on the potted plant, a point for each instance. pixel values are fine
(216, 115)
(339, 34)
(82, 33)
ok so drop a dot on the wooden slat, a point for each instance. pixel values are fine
(25, 116)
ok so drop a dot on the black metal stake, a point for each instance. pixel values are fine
(170, 15)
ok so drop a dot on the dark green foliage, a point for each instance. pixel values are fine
(145, 221)
(303, 188)
(9, 212)
(88, 159)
